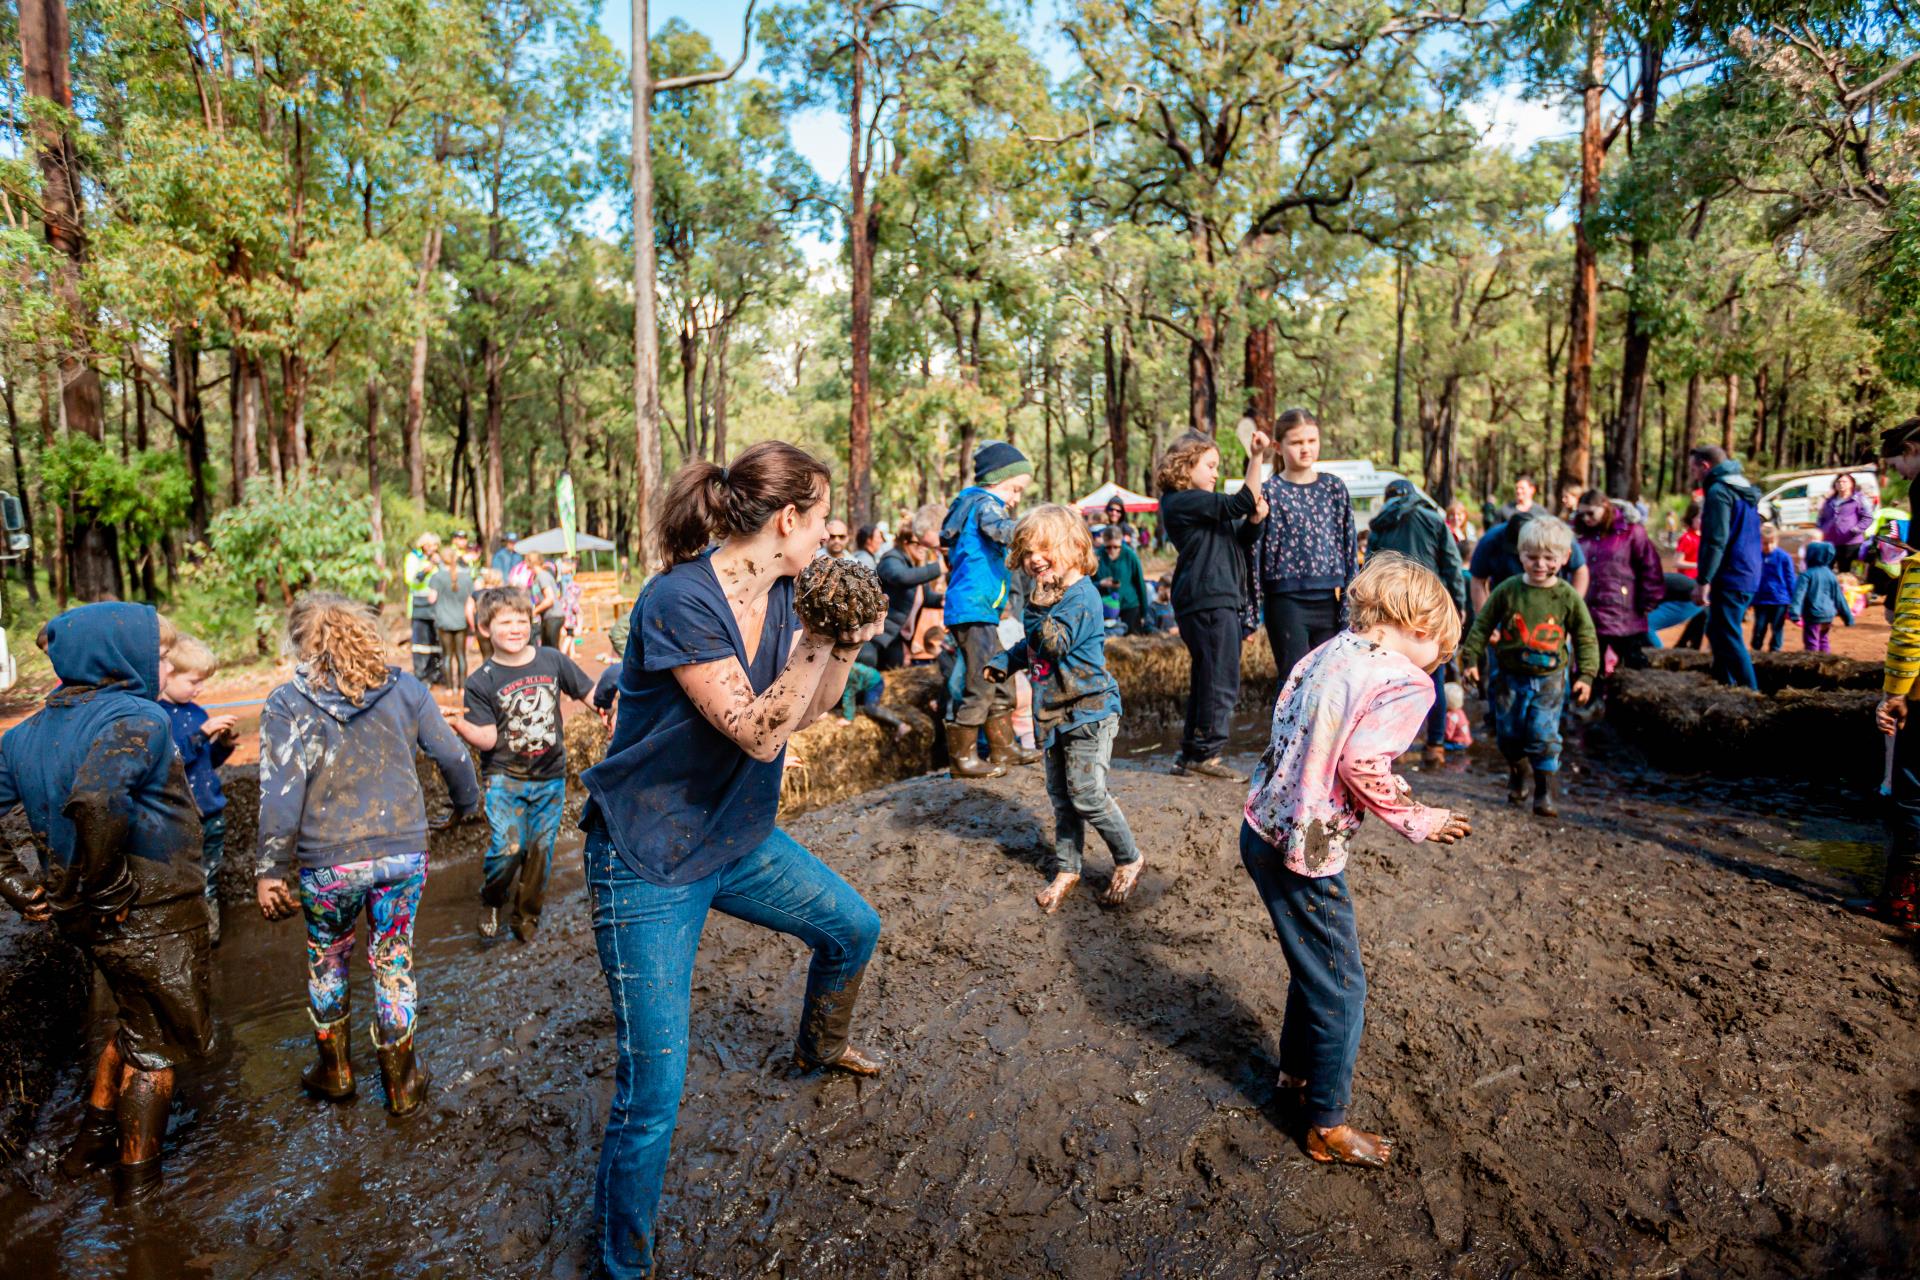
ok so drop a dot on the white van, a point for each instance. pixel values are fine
(1793, 498)
(1366, 486)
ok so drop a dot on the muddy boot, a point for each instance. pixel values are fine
(1519, 774)
(97, 1146)
(824, 1025)
(964, 763)
(141, 1114)
(1003, 747)
(332, 1076)
(405, 1079)
(886, 719)
(1214, 767)
(1544, 785)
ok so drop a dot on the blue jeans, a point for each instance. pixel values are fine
(213, 850)
(1669, 613)
(1769, 626)
(524, 815)
(1726, 611)
(1326, 983)
(647, 935)
(1437, 717)
(1077, 764)
(1526, 716)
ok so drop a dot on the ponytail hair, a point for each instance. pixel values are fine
(339, 639)
(707, 501)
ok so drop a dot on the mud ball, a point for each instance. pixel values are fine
(838, 597)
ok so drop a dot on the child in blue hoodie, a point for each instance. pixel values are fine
(340, 800)
(1774, 596)
(974, 536)
(1076, 701)
(205, 742)
(1818, 599)
(119, 843)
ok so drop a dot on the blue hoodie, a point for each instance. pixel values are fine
(975, 535)
(1776, 578)
(1730, 529)
(337, 779)
(201, 754)
(1066, 650)
(103, 788)
(1817, 596)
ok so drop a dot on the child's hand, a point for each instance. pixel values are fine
(1455, 828)
(27, 897)
(275, 898)
(217, 725)
(1582, 690)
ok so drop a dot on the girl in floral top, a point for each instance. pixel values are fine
(1307, 548)
(1341, 718)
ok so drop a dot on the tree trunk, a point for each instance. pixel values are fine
(722, 344)
(494, 360)
(414, 429)
(294, 392)
(689, 412)
(246, 438)
(649, 458)
(706, 402)
(1782, 401)
(1690, 424)
(862, 232)
(191, 415)
(1117, 368)
(1583, 311)
(1400, 353)
(1759, 414)
(1263, 395)
(1729, 408)
(1624, 439)
(376, 515)
(463, 425)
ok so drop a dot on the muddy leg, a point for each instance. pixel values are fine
(391, 906)
(145, 1099)
(97, 1145)
(544, 808)
(1069, 829)
(506, 845)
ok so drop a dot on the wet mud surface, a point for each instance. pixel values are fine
(1645, 1039)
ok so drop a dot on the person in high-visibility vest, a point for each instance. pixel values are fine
(1900, 891)
(421, 564)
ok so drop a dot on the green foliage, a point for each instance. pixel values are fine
(147, 495)
(309, 535)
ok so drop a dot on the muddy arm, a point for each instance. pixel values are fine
(19, 886)
(760, 726)
(100, 806)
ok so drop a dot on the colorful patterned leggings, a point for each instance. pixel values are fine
(388, 889)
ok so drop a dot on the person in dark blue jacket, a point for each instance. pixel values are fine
(1774, 594)
(975, 537)
(340, 802)
(205, 742)
(118, 838)
(1076, 701)
(1729, 559)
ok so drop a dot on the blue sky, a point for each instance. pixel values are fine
(821, 136)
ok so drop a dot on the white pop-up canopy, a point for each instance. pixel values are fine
(554, 543)
(1099, 498)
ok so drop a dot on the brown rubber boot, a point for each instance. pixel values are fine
(964, 762)
(332, 1076)
(405, 1079)
(824, 1026)
(1003, 747)
(1544, 786)
(1519, 773)
(96, 1147)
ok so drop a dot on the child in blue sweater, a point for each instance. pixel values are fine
(1076, 701)
(1774, 595)
(204, 743)
(1818, 599)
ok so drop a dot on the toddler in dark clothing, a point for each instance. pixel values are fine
(1076, 701)
(204, 743)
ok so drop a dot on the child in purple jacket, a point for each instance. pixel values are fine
(1625, 580)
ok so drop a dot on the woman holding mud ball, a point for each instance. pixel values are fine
(680, 813)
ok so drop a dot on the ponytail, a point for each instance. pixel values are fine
(706, 501)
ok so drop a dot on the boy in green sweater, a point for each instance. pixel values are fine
(1540, 620)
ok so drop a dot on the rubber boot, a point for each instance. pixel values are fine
(1003, 747)
(332, 1076)
(824, 1026)
(142, 1117)
(97, 1146)
(962, 760)
(405, 1079)
(1544, 784)
(886, 719)
(1519, 773)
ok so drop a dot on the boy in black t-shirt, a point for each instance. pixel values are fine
(513, 719)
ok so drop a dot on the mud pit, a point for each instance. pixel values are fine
(1645, 1044)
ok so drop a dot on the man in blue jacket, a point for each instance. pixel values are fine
(1729, 559)
(975, 535)
(118, 839)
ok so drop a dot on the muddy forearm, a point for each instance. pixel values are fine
(760, 726)
(833, 686)
(101, 879)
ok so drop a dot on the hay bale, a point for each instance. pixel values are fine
(831, 760)
(1683, 720)
(585, 735)
(1153, 672)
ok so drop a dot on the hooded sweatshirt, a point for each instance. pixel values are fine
(337, 779)
(975, 535)
(1730, 529)
(103, 788)
(1413, 527)
(1817, 596)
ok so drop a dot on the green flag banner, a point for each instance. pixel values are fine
(563, 499)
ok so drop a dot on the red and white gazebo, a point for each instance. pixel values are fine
(1097, 501)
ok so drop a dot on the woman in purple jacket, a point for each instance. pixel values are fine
(1844, 518)
(1625, 580)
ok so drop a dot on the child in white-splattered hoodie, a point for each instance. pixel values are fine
(1349, 708)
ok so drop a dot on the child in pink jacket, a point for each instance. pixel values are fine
(1349, 708)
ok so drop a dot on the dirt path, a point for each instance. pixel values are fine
(1643, 1040)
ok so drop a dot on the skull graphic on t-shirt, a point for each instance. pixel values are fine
(530, 715)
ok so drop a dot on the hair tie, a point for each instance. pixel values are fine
(725, 477)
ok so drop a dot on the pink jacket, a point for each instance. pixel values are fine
(1350, 707)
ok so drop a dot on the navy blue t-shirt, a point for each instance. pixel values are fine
(678, 798)
(1495, 561)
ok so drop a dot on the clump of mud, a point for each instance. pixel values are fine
(1683, 720)
(838, 597)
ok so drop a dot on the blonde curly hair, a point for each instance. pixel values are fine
(1057, 532)
(339, 639)
(1176, 464)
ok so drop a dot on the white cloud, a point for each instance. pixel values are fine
(1508, 119)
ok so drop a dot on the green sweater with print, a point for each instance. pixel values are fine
(1538, 627)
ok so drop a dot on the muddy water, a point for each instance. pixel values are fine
(1643, 1040)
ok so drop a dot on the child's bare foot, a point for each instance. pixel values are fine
(1054, 894)
(1125, 876)
(1344, 1144)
